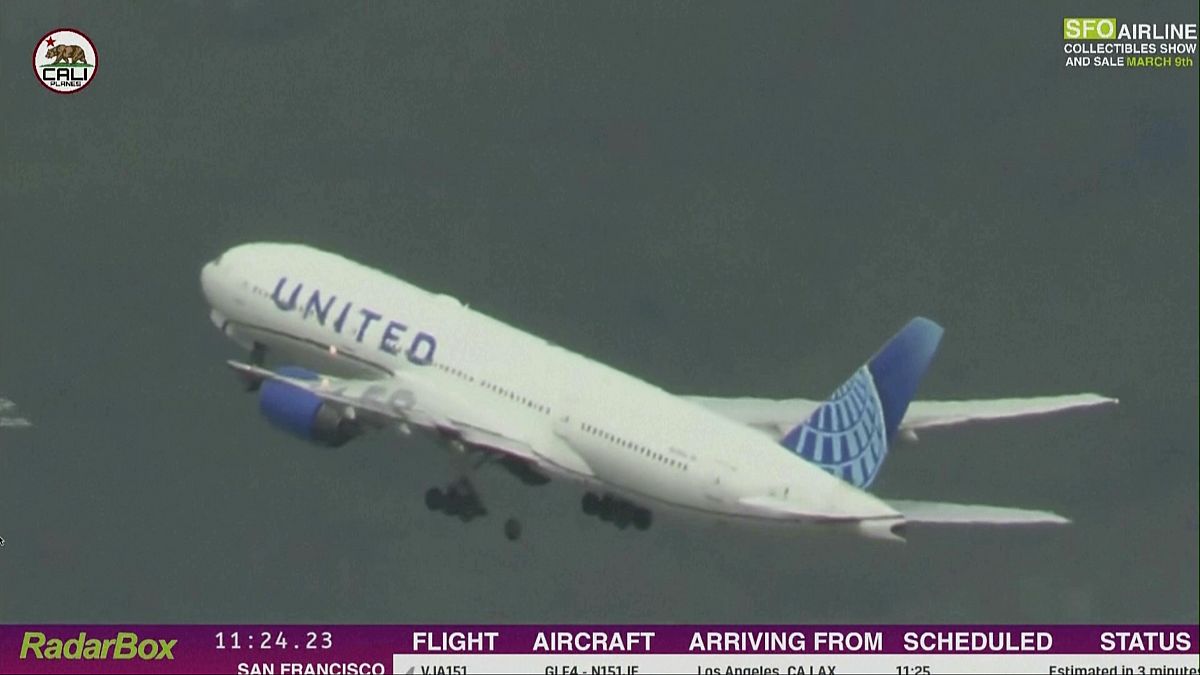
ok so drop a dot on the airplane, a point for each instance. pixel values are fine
(359, 349)
(9, 415)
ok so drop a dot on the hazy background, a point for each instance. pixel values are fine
(724, 199)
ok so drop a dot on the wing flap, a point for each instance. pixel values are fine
(972, 514)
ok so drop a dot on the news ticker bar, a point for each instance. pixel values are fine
(782, 664)
(601, 649)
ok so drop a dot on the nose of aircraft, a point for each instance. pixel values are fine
(208, 280)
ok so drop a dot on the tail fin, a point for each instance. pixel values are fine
(848, 435)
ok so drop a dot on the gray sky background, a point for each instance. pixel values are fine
(724, 199)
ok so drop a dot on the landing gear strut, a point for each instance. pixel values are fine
(617, 511)
(258, 354)
(258, 357)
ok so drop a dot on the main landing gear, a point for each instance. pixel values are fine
(459, 500)
(617, 511)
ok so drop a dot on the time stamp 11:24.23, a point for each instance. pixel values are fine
(264, 640)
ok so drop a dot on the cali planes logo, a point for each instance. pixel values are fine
(65, 61)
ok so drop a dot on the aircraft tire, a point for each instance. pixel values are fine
(512, 529)
(435, 499)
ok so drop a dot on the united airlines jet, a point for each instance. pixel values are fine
(356, 349)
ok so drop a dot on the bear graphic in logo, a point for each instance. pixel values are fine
(66, 53)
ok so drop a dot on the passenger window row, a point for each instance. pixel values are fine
(636, 447)
(495, 388)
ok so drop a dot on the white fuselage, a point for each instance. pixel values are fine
(338, 317)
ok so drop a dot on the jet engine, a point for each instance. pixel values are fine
(303, 413)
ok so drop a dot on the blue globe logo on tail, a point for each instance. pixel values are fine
(848, 435)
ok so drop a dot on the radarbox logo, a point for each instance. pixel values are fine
(65, 61)
(124, 647)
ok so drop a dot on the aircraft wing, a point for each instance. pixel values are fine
(971, 514)
(777, 417)
(404, 401)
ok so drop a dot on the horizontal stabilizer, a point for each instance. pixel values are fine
(933, 414)
(971, 514)
(776, 417)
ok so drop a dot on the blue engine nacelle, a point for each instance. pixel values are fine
(303, 413)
